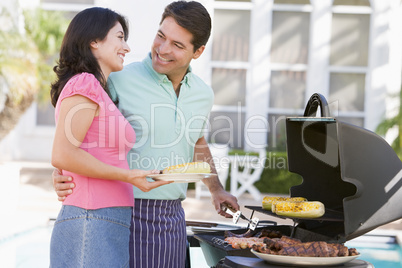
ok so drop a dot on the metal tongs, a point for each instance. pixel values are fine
(238, 215)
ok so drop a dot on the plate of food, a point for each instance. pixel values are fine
(303, 261)
(184, 173)
(180, 177)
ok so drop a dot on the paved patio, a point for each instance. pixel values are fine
(37, 203)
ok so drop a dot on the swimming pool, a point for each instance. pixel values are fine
(381, 250)
(30, 249)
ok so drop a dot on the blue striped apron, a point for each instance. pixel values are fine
(158, 234)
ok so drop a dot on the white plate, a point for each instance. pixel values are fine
(181, 177)
(303, 261)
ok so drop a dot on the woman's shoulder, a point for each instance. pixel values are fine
(84, 84)
(83, 80)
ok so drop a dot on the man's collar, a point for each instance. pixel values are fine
(162, 78)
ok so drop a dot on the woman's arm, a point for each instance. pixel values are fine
(75, 117)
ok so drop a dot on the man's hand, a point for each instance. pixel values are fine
(222, 198)
(63, 185)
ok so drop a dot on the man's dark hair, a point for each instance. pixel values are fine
(193, 17)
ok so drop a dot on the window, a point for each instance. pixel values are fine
(349, 53)
(290, 34)
(313, 47)
(351, 2)
(229, 86)
(230, 67)
(289, 64)
(227, 128)
(349, 40)
(287, 90)
(231, 35)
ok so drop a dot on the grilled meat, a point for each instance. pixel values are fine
(270, 233)
(273, 242)
(340, 249)
(290, 241)
(353, 252)
(309, 249)
(262, 248)
(244, 242)
(278, 243)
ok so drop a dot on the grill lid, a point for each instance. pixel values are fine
(348, 168)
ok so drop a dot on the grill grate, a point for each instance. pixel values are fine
(330, 215)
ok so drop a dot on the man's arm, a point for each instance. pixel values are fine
(62, 184)
(219, 196)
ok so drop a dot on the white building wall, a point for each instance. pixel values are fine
(385, 62)
(144, 17)
(30, 142)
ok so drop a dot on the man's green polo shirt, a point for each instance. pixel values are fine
(166, 127)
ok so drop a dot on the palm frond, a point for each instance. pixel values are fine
(393, 123)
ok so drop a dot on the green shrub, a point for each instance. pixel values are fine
(276, 178)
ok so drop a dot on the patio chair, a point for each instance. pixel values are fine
(245, 171)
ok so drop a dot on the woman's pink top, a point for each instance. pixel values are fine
(109, 139)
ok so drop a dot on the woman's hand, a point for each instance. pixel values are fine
(137, 177)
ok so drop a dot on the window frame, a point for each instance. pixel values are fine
(258, 104)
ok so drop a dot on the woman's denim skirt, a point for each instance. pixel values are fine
(91, 238)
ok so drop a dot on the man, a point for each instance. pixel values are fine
(167, 105)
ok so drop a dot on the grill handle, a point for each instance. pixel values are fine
(312, 105)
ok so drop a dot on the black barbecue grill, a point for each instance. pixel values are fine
(352, 171)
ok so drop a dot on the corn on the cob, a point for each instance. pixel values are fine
(312, 209)
(193, 167)
(267, 201)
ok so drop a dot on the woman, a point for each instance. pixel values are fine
(91, 143)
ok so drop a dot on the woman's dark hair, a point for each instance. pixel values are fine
(193, 17)
(92, 24)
